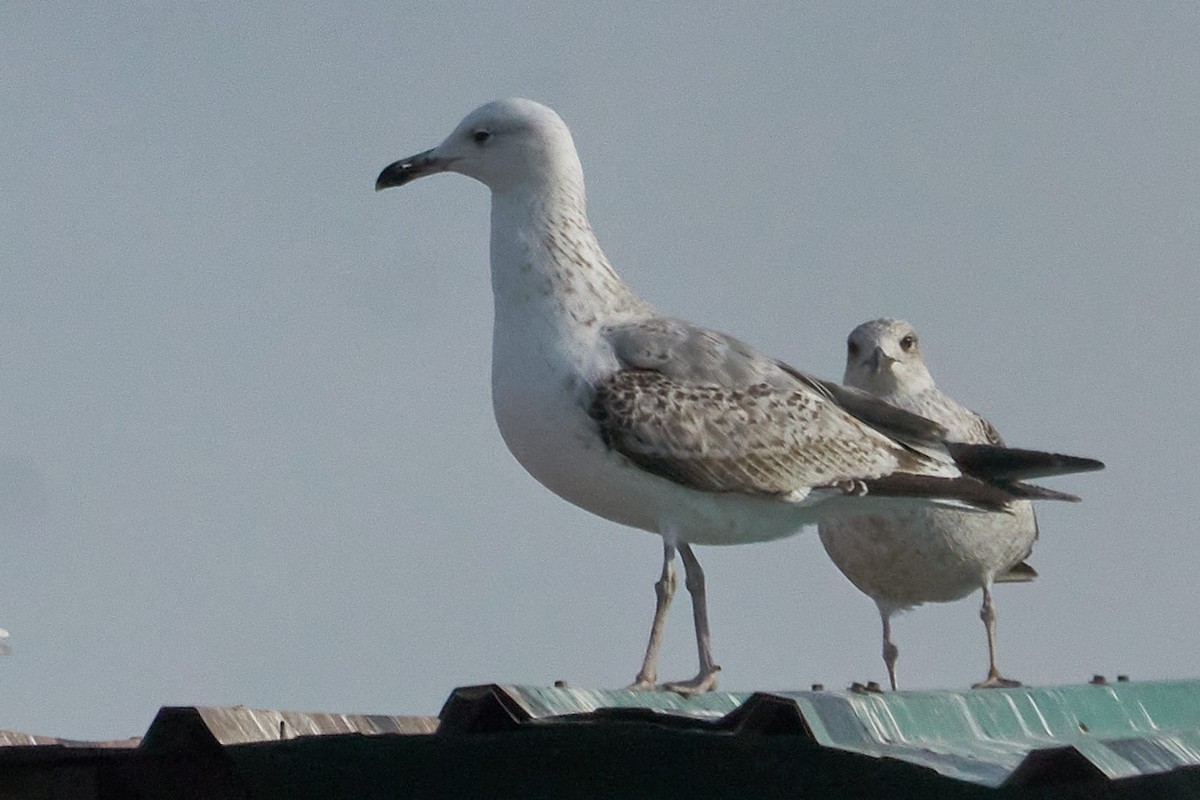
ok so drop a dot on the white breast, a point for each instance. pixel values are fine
(554, 293)
(928, 555)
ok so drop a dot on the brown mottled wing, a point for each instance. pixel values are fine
(691, 354)
(752, 440)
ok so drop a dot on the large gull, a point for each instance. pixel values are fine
(926, 555)
(660, 424)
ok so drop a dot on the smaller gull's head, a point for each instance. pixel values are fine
(883, 356)
(503, 144)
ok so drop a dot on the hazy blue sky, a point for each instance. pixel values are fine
(246, 445)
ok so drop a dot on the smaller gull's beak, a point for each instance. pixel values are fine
(880, 360)
(409, 169)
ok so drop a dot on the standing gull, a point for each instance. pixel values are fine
(659, 424)
(926, 555)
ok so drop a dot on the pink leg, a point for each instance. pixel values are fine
(890, 652)
(664, 591)
(706, 678)
(994, 679)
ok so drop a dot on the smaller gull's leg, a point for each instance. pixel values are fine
(664, 590)
(994, 679)
(890, 652)
(706, 679)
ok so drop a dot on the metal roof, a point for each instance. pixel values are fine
(240, 725)
(15, 739)
(1116, 741)
(987, 737)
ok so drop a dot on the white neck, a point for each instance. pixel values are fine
(547, 266)
(555, 293)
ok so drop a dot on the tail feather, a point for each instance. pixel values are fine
(1029, 491)
(961, 492)
(992, 478)
(1018, 573)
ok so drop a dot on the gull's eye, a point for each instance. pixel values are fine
(852, 349)
(480, 136)
(908, 343)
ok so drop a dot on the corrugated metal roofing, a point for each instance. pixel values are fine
(987, 737)
(1122, 741)
(15, 739)
(240, 725)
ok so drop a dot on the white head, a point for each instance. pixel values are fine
(504, 144)
(883, 357)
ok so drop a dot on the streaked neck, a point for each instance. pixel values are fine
(545, 259)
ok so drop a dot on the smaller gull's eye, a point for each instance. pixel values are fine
(482, 135)
(852, 349)
(908, 343)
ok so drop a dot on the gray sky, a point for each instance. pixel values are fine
(246, 445)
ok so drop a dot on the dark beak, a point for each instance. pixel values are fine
(409, 169)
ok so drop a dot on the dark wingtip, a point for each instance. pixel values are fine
(1079, 463)
(991, 462)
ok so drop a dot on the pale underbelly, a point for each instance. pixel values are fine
(556, 441)
(931, 555)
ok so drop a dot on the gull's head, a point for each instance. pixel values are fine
(504, 144)
(883, 356)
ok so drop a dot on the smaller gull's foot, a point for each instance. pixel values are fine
(704, 682)
(996, 681)
(641, 684)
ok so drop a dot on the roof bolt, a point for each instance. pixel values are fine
(873, 686)
(1098, 680)
(560, 684)
(1122, 679)
(858, 688)
(818, 687)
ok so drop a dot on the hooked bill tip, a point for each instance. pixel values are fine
(396, 174)
(409, 169)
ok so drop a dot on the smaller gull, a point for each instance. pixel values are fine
(660, 424)
(926, 555)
